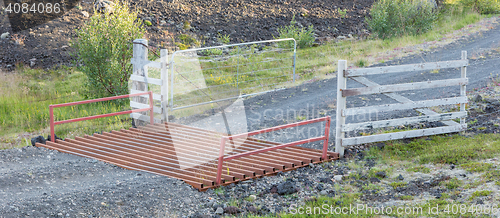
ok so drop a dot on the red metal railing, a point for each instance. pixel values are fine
(225, 138)
(51, 109)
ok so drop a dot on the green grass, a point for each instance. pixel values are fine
(395, 185)
(453, 149)
(421, 169)
(27, 94)
(477, 166)
(453, 183)
(480, 194)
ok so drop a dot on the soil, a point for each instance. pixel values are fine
(48, 45)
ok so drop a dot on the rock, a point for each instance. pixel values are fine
(187, 201)
(231, 210)
(251, 209)
(85, 14)
(49, 137)
(478, 98)
(286, 188)
(104, 6)
(381, 174)
(320, 187)
(374, 180)
(324, 192)
(311, 165)
(38, 139)
(4, 35)
(219, 211)
(252, 197)
(400, 177)
(452, 167)
(489, 109)
(337, 178)
(380, 145)
(32, 62)
(341, 37)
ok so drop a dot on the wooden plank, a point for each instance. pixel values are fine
(143, 117)
(463, 88)
(146, 79)
(153, 64)
(155, 96)
(406, 68)
(404, 106)
(341, 106)
(403, 87)
(401, 99)
(134, 104)
(403, 135)
(164, 86)
(402, 121)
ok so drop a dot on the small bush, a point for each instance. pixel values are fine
(452, 183)
(104, 46)
(391, 18)
(303, 36)
(482, 6)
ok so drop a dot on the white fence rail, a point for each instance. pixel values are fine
(405, 103)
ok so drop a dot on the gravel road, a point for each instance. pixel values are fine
(37, 182)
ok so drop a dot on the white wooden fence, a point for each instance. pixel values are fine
(404, 103)
(140, 81)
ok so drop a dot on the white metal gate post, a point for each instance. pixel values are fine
(341, 106)
(164, 86)
(140, 56)
(462, 87)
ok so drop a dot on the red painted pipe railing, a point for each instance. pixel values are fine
(225, 138)
(51, 109)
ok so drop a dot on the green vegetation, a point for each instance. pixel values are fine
(406, 197)
(104, 48)
(421, 169)
(482, 6)
(394, 185)
(453, 183)
(477, 166)
(479, 194)
(27, 94)
(223, 39)
(187, 42)
(391, 18)
(441, 149)
(304, 37)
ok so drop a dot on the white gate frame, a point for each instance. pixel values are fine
(140, 80)
(421, 106)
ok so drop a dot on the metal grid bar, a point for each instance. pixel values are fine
(51, 110)
(190, 154)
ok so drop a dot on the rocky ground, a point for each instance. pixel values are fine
(38, 182)
(49, 44)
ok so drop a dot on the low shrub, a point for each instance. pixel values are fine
(104, 47)
(482, 6)
(304, 37)
(389, 18)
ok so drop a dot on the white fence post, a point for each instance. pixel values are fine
(341, 106)
(164, 86)
(462, 87)
(140, 56)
